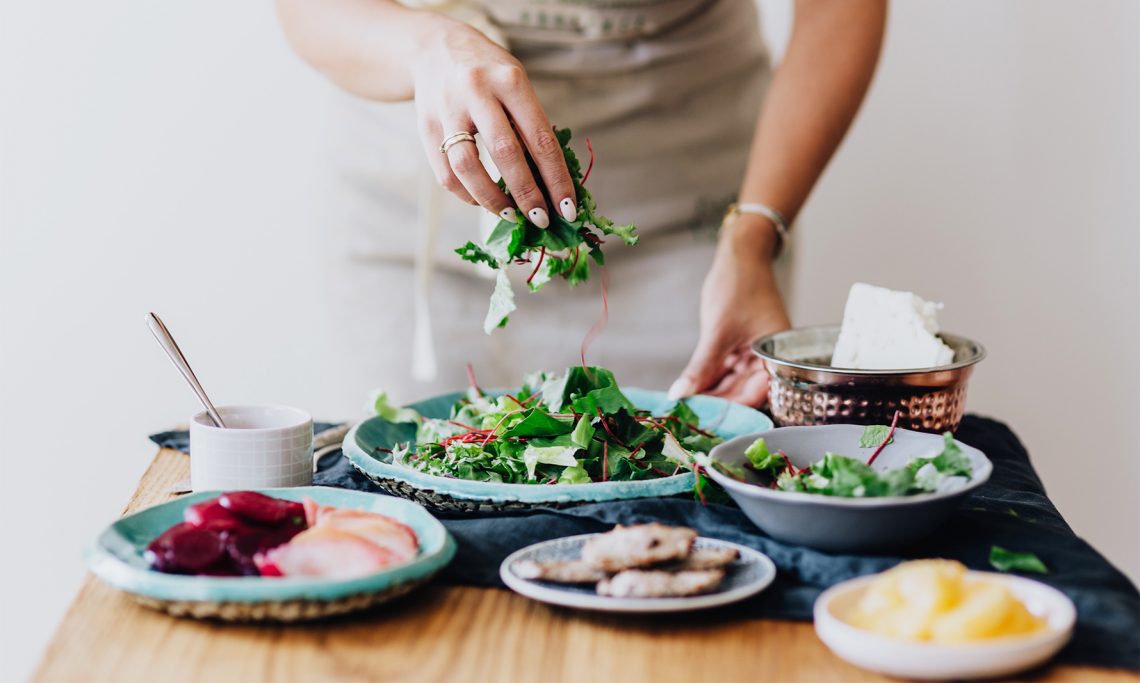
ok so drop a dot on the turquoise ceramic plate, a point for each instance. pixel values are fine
(363, 443)
(117, 557)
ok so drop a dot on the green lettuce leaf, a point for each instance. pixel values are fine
(607, 400)
(874, 435)
(476, 254)
(762, 459)
(1009, 561)
(574, 475)
(838, 475)
(550, 455)
(386, 411)
(583, 432)
(536, 422)
(502, 303)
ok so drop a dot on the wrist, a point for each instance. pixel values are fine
(751, 236)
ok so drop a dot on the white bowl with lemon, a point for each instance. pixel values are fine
(934, 619)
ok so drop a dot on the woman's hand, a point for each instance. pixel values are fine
(740, 303)
(466, 83)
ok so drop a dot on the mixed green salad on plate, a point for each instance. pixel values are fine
(574, 428)
(566, 438)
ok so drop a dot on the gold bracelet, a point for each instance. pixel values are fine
(757, 209)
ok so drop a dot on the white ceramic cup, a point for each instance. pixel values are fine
(261, 447)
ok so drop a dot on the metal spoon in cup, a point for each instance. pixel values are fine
(166, 340)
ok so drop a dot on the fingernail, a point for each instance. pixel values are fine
(509, 214)
(539, 218)
(568, 210)
(682, 388)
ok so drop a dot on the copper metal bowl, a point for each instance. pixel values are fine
(806, 390)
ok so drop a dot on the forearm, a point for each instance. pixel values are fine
(365, 46)
(812, 99)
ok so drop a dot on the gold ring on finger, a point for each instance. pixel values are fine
(454, 139)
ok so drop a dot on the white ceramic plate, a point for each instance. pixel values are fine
(745, 577)
(929, 661)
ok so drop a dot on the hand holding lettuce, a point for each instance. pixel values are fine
(564, 249)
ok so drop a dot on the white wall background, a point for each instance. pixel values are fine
(169, 156)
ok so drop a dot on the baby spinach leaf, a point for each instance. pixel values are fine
(538, 422)
(607, 400)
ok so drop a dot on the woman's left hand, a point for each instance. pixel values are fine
(740, 303)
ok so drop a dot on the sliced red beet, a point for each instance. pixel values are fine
(262, 509)
(210, 514)
(185, 548)
(223, 568)
(242, 548)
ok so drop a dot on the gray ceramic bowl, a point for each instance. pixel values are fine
(844, 524)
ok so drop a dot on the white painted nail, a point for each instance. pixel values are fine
(539, 218)
(568, 210)
(509, 214)
(682, 388)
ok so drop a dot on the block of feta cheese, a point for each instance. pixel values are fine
(888, 330)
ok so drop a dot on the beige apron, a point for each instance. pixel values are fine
(668, 92)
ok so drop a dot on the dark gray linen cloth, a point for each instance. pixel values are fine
(1011, 510)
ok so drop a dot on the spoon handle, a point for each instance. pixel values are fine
(166, 340)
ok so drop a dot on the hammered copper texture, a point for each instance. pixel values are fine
(797, 403)
(805, 390)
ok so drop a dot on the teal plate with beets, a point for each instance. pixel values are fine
(117, 558)
(364, 443)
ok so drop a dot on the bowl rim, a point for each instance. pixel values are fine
(979, 477)
(758, 349)
(1063, 608)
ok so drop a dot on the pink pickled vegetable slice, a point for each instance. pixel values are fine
(379, 529)
(325, 552)
(312, 510)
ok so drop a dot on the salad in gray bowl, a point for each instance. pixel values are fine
(847, 488)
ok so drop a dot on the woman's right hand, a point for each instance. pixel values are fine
(464, 82)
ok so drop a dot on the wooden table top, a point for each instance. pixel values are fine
(438, 633)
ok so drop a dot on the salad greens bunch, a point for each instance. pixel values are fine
(573, 428)
(838, 475)
(564, 249)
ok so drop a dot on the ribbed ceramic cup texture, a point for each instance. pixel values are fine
(806, 390)
(261, 447)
